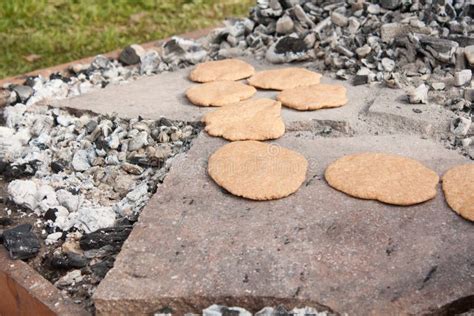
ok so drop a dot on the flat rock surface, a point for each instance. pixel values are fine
(196, 245)
(163, 95)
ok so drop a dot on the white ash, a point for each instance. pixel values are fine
(221, 310)
(87, 171)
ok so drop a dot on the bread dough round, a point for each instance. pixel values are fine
(284, 78)
(458, 187)
(314, 97)
(257, 170)
(227, 69)
(258, 119)
(219, 93)
(387, 178)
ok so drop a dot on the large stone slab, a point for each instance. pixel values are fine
(162, 95)
(196, 245)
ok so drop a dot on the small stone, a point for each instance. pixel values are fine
(360, 80)
(150, 62)
(70, 278)
(341, 74)
(24, 193)
(218, 310)
(418, 94)
(462, 77)
(131, 55)
(390, 31)
(132, 168)
(460, 126)
(23, 92)
(57, 166)
(339, 19)
(69, 260)
(101, 62)
(469, 94)
(70, 201)
(285, 25)
(21, 242)
(373, 9)
(363, 51)
(466, 142)
(91, 219)
(344, 51)
(390, 4)
(469, 53)
(388, 64)
(354, 25)
(138, 141)
(80, 161)
(53, 238)
(438, 85)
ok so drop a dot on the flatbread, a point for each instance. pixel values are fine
(314, 97)
(258, 119)
(227, 69)
(257, 171)
(219, 93)
(284, 78)
(458, 187)
(387, 178)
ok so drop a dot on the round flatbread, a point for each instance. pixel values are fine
(257, 171)
(219, 93)
(227, 69)
(458, 187)
(258, 119)
(387, 178)
(284, 78)
(314, 97)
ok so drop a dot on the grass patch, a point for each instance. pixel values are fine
(58, 31)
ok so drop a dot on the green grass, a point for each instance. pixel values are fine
(64, 30)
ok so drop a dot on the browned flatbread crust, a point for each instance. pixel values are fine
(458, 187)
(219, 93)
(314, 97)
(387, 178)
(257, 171)
(258, 119)
(227, 69)
(284, 78)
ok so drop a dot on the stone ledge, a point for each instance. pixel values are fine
(195, 244)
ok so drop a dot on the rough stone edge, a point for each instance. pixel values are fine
(40, 289)
(46, 72)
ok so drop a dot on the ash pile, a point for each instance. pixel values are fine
(84, 180)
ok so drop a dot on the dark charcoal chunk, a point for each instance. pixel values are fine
(50, 214)
(25, 170)
(100, 269)
(290, 45)
(114, 236)
(360, 79)
(5, 221)
(57, 166)
(68, 261)
(21, 242)
(164, 122)
(57, 75)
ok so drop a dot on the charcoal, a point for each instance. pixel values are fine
(21, 242)
(114, 236)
